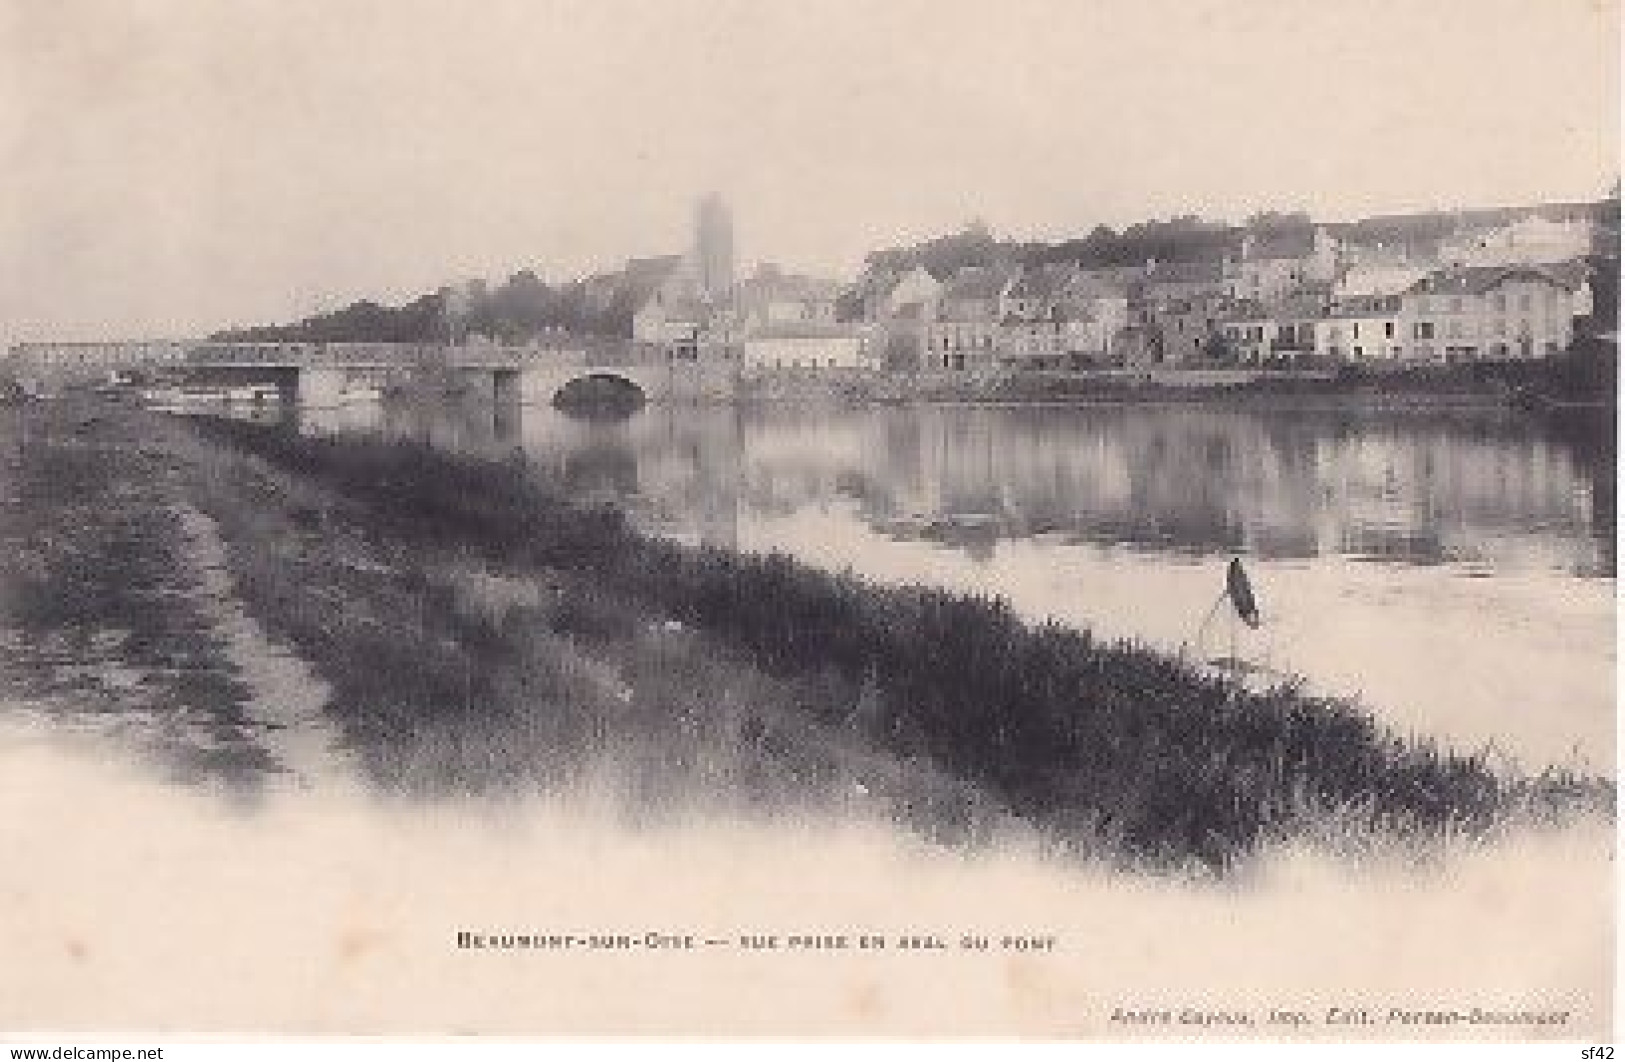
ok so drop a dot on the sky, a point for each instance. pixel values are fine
(175, 166)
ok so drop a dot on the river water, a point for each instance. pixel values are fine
(1454, 571)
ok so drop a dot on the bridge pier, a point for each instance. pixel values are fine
(474, 384)
(507, 386)
(316, 388)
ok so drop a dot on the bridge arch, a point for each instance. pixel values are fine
(601, 392)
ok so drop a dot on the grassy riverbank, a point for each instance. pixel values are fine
(480, 631)
(103, 629)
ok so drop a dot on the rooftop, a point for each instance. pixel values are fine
(1045, 281)
(1475, 280)
(976, 282)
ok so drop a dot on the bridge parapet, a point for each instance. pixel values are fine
(553, 352)
(414, 355)
(493, 357)
(314, 355)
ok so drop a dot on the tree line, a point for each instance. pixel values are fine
(525, 306)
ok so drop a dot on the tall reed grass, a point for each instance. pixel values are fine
(1107, 744)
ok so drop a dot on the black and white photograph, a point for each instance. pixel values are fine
(808, 520)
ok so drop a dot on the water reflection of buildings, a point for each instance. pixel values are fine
(485, 428)
(1190, 480)
(676, 470)
(1187, 480)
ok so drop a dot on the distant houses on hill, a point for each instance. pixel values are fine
(1499, 285)
(1279, 290)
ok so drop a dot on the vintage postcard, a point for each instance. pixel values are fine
(898, 520)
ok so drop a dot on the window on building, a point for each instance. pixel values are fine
(1422, 330)
(1388, 330)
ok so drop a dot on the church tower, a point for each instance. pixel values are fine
(714, 249)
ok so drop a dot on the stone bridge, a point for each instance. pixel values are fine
(317, 374)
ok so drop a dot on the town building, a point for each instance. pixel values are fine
(901, 304)
(1285, 332)
(971, 308)
(1288, 293)
(1454, 314)
(1036, 291)
(1184, 329)
(1164, 284)
(1276, 263)
(667, 304)
(1376, 277)
(1363, 330)
(1032, 333)
(1034, 341)
(807, 345)
(1495, 313)
(771, 296)
(1094, 309)
(916, 294)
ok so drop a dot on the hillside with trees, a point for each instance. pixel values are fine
(525, 306)
(519, 309)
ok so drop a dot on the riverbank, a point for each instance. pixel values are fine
(1585, 378)
(476, 634)
(118, 616)
(1017, 391)
(481, 633)
(105, 624)
(1231, 390)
